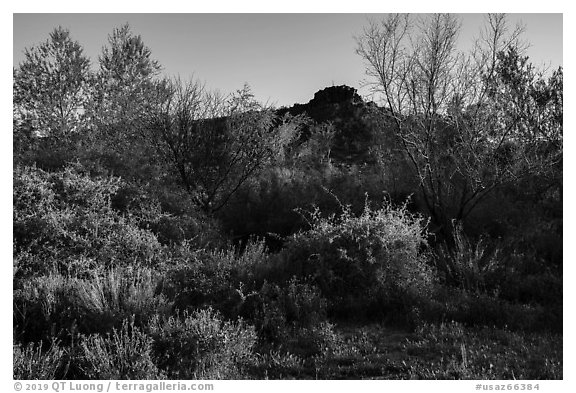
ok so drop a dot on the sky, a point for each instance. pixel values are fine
(285, 58)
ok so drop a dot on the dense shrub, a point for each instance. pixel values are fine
(377, 255)
(62, 306)
(202, 345)
(117, 294)
(267, 206)
(213, 278)
(279, 310)
(169, 214)
(292, 317)
(64, 216)
(124, 354)
(277, 364)
(31, 362)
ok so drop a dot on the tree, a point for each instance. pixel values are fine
(214, 143)
(51, 91)
(446, 108)
(126, 83)
(127, 89)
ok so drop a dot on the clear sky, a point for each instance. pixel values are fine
(285, 58)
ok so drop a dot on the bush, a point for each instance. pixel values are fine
(377, 255)
(30, 362)
(215, 278)
(44, 307)
(474, 267)
(202, 345)
(125, 354)
(291, 317)
(117, 294)
(278, 365)
(64, 306)
(65, 216)
(277, 311)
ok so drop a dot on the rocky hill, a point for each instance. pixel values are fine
(347, 111)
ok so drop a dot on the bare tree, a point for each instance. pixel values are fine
(442, 105)
(216, 143)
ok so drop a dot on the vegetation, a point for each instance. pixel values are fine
(165, 231)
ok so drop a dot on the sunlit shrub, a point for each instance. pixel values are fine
(65, 216)
(202, 345)
(31, 362)
(63, 306)
(44, 307)
(213, 278)
(375, 255)
(118, 294)
(124, 354)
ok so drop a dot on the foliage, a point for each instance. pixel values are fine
(201, 345)
(44, 308)
(63, 217)
(215, 144)
(126, 84)
(215, 278)
(292, 316)
(60, 306)
(473, 267)
(467, 123)
(118, 294)
(162, 230)
(30, 362)
(51, 90)
(124, 354)
(377, 254)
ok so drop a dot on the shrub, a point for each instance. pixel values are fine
(377, 255)
(202, 345)
(215, 278)
(124, 354)
(63, 216)
(277, 311)
(472, 267)
(117, 294)
(278, 365)
(31, 362)
(291, 317)
(44, 307)
(63, 306)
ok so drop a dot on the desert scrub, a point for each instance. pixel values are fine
(292, 317)
(220, 279)
(44, 307)
(202, 345)
(62, 216)
(117, 294)
(474, 266)
(62, 306)
(124, 354)
(376, 255)
(39, 361)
